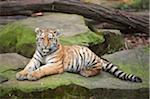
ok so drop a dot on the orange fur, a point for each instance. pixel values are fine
(53, 58)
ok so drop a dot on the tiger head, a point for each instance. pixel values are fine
(47, 40)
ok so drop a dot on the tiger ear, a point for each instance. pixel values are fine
(37, 30)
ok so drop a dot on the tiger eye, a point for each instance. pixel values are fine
(54, 31)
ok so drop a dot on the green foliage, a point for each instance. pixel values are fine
(135, 4)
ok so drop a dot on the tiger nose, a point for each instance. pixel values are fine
(46, 43)
(45, 47)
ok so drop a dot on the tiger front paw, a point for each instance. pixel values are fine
(33, 76)
(22, 75)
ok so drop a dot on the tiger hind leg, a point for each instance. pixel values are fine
(90, 71)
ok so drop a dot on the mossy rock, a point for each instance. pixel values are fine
(131, 61)
(114, 42)
(19, 38)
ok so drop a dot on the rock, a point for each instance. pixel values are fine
(17, 38)
(20, 37)
(12, 61)
(113, 42)
(68, 24)
(8, 19)
(132, 61)
(3, 79)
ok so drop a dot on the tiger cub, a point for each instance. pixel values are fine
(53, 58)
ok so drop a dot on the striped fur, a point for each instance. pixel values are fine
(52, 58)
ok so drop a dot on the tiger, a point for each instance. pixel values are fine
(51, 57)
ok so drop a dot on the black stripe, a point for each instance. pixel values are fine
(55, 57)
(35, 66)
(119, 74)
(77, 63)
(131, 77)
(93, 60)
(40, 53)
(135, 79)
(51, 58)
(72, 67)
(72, 64)
(88, 63)
(126, 76)
(110, 68)
(94, 64)
(53, 50)
(37, 60)
(89, 57)
(104, 59)
(115, 71)
(81, 56)
(103, 69)
(57, 60)
(106, 66)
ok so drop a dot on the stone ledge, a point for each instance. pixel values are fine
(104, 80)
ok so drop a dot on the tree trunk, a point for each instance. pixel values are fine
(88, 10)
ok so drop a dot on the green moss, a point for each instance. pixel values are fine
(115, 42)
(8, 38)
(14, 37)
(147, 49)
(83, 39)
(58, 80)
(43, 84)
(19, 38)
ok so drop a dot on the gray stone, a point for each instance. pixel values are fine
(9, 19)
(114, 41)
(133, 61)
(68, 24)
(19, 37)
(12, 61)
(135, 56)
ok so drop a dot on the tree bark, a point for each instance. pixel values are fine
(88, 10)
